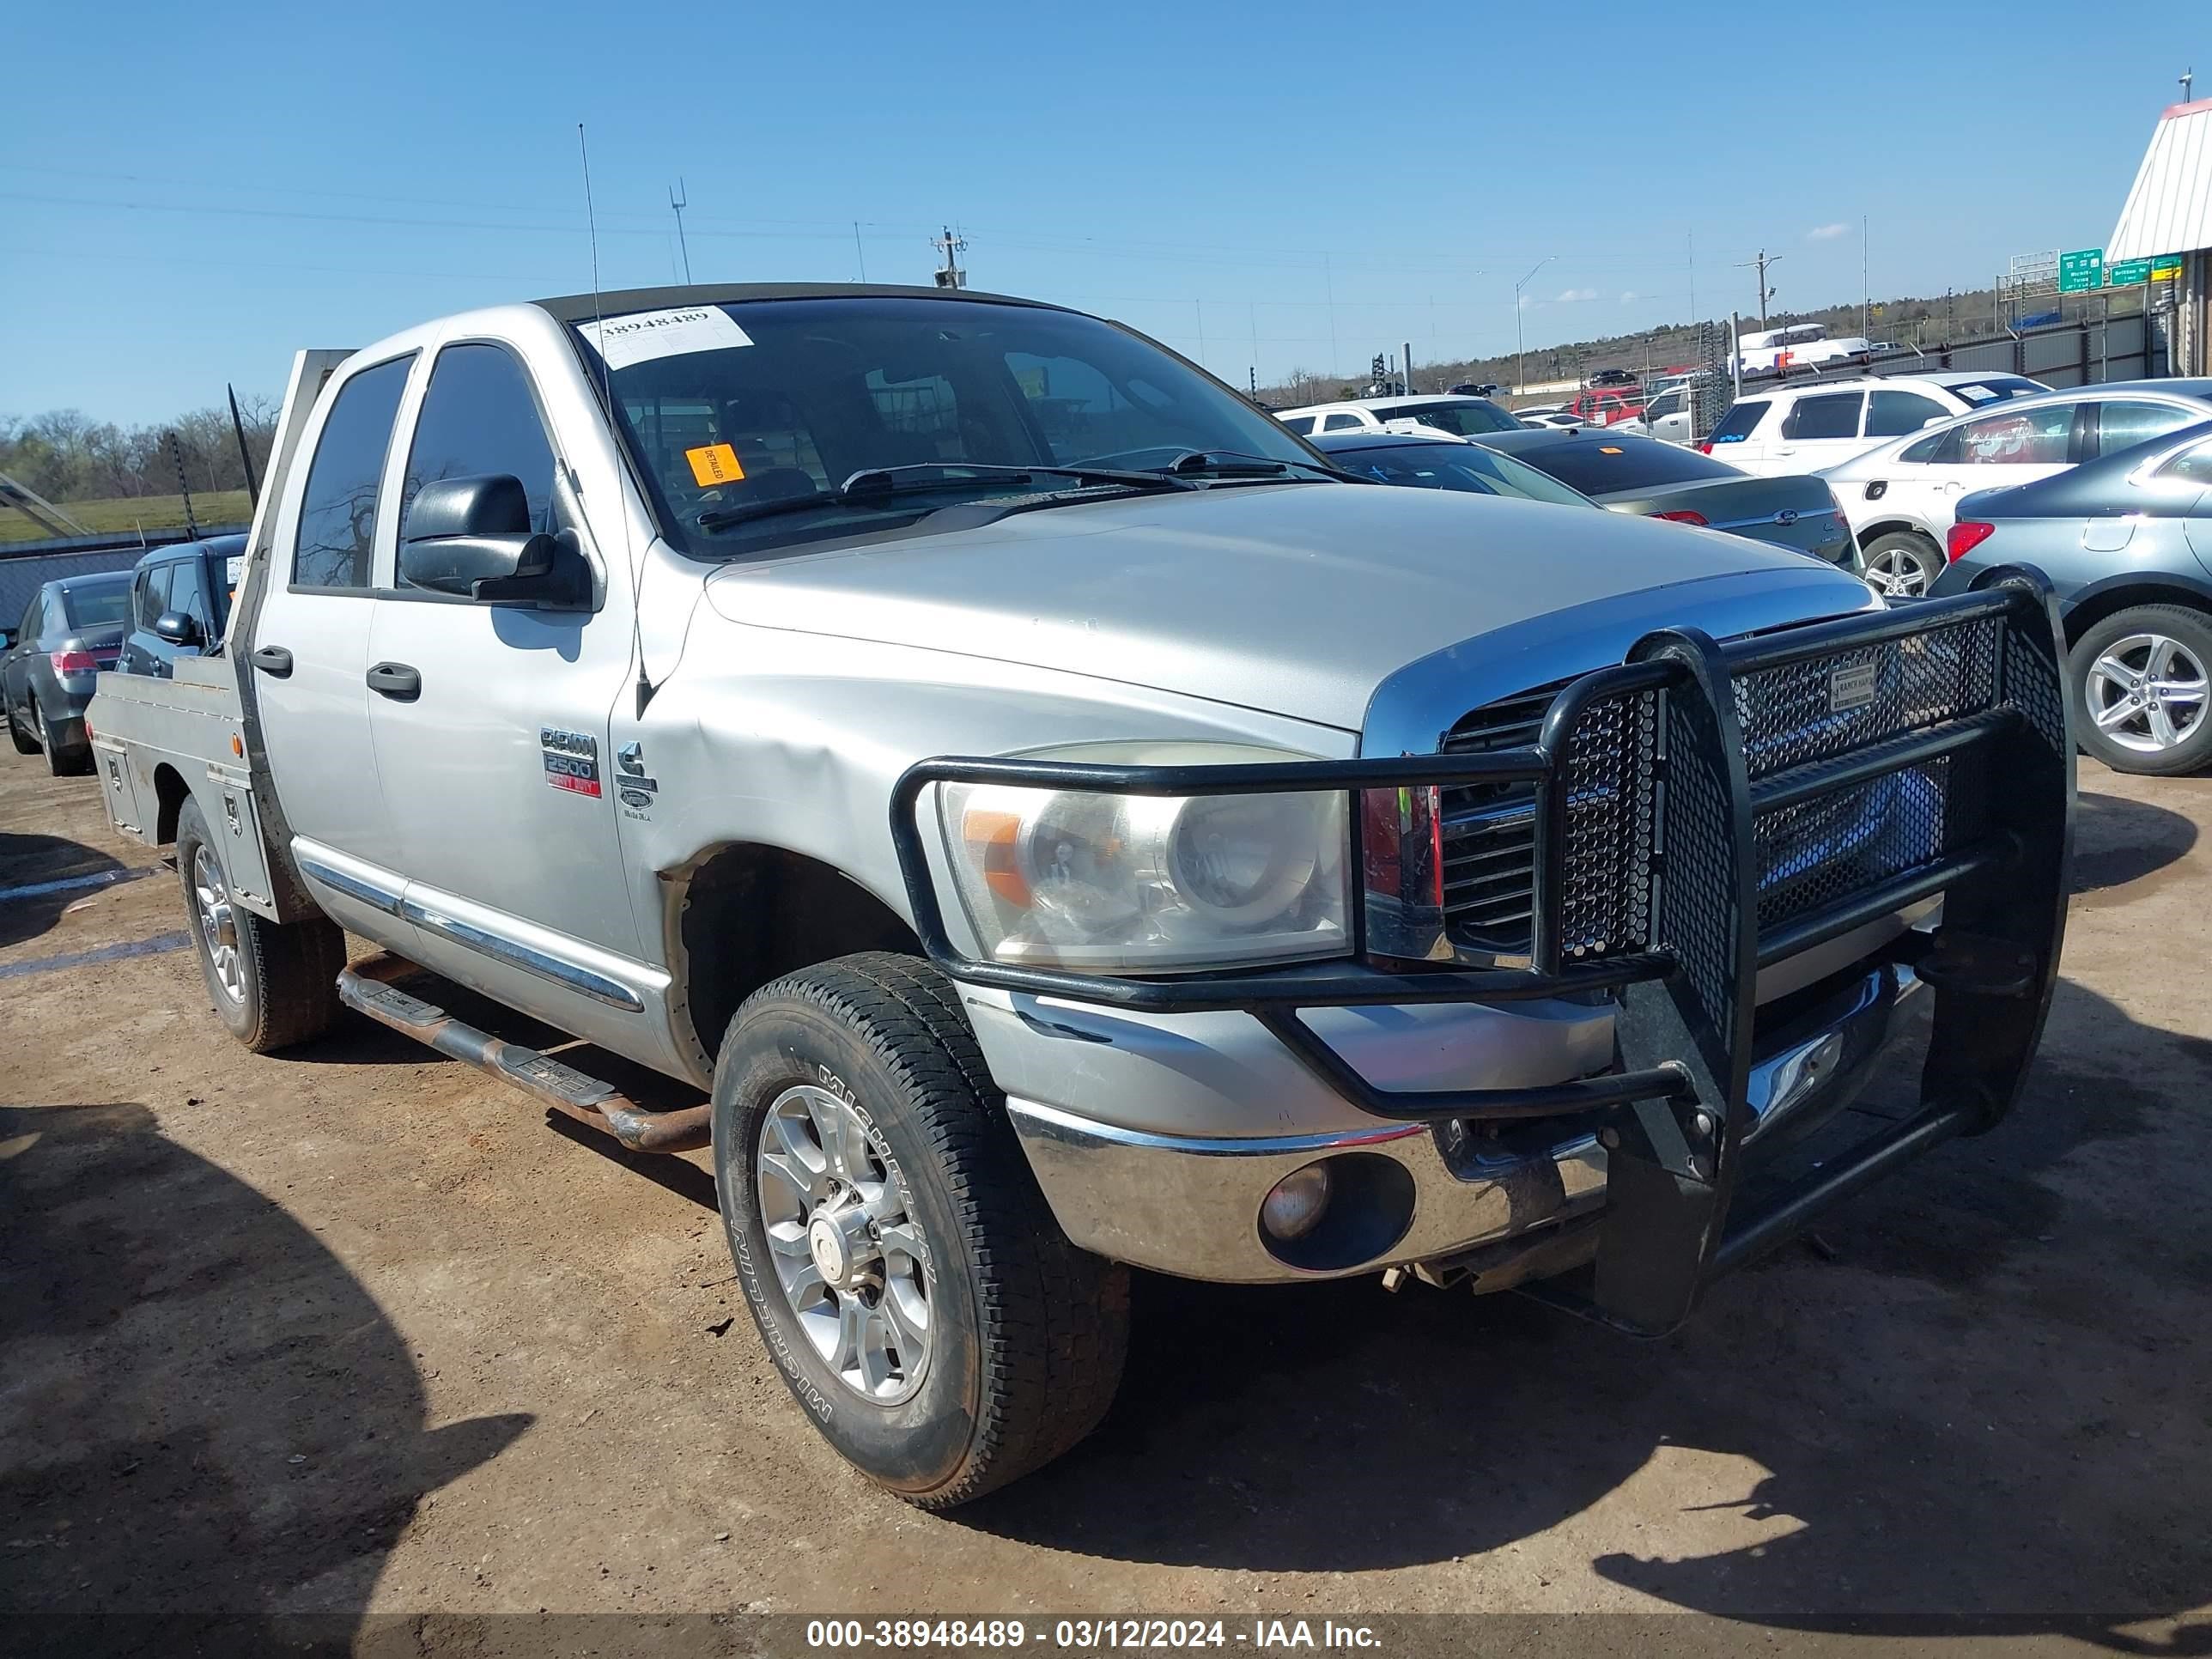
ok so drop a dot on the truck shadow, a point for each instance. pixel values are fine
(1998, 1374)
(208, 1425)
(2119, 841)
(32, 860)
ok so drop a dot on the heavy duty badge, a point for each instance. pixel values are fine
(638, 789)
(572, 760)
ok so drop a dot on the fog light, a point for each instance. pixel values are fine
(1294, 1205)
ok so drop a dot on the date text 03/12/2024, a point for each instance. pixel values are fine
(1262, 1635)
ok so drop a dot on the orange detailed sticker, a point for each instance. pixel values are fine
(715, 464)
(1602, 449)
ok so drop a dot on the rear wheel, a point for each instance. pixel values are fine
(2140, 682)
(1901, 565)
(274, 984)
(25, 740)
(910, 1280)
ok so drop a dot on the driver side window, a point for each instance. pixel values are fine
(478, 420)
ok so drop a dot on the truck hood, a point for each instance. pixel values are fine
(1295, 598)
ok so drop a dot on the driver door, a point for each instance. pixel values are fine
(490, 721)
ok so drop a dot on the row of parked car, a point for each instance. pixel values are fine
(1923, 485)
(174, 602)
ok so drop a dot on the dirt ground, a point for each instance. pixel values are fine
(355, 1332)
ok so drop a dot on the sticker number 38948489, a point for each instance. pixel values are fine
(572, 760)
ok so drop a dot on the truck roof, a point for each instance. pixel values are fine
(582, 308)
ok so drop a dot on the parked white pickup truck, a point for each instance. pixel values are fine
(1061, 824)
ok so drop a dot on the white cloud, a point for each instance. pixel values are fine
(1827, 233)
(1573, 296)
(1626, 295)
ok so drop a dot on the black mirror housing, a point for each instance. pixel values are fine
(175, 628)
(464, 535)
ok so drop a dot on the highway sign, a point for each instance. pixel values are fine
(2080, 270)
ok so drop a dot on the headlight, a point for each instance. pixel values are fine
(1138, 884)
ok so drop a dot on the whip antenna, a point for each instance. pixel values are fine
(607, 400)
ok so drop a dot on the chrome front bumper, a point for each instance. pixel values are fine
(1190, 1205)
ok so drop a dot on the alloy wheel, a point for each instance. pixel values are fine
(1896, 574)
(218, 923)
(2146, 692)
(848, 1251)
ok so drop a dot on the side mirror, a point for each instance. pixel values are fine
(7, 639)
(469, 535)
(177, 629)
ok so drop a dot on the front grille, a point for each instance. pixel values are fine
(1490, 831)
(1808, 856)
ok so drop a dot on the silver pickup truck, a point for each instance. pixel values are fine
(1062, 825)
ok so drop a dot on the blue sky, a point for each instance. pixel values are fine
(184, 201)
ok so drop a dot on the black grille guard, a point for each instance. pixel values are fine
(1648, 884)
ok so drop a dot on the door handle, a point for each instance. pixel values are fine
(395, 680)
(274, 659)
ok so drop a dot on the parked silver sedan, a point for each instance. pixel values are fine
(71, 629)
(1655, 480)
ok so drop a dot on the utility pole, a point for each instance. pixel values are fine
(1764, 292)
(2188, 80)
(678, 199)
(950, 275)
(1520, 344)
(1866, 288)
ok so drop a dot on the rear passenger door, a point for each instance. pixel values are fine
(310, 655)
(1822, 428)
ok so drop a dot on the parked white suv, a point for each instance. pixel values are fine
(1454, 416)
(1804, 345)
(1899, 497)
(1818, 424)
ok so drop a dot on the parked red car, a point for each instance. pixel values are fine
(1602, 407)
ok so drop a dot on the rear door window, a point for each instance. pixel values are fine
(1893, 414)
(1832, 414)
(1342, 424)
(1740, 421)
(2123, 422)
(338, 519)
(1300, 424)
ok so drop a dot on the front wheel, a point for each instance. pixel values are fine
(911, 1285)
(274, 984)
(2140, 684)
(1900, 565)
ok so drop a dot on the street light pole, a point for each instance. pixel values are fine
(1520, 348)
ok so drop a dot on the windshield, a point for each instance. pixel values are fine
(730, 407)
(1435, 465)
(1603, 466)
(102, 606)
(1463, 419)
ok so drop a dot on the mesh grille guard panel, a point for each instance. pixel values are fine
(1794, 717)
(1695, 813)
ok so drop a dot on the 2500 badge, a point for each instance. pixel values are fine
(572, 760)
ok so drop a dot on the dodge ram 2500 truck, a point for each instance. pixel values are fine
(1063, 826)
